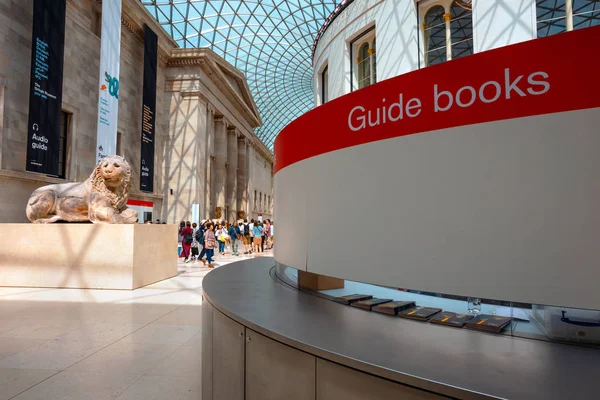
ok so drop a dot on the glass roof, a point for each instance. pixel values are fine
(269, 41)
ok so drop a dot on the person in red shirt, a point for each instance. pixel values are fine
(187, 234)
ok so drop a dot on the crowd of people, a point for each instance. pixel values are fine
(201, 240)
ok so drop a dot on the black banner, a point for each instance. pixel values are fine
(45, 92)
(148, 110)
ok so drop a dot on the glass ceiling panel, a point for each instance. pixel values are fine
(269, 41)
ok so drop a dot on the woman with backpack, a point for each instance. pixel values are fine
(245, 229)
(188, 238)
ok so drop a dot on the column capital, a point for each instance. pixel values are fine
(210, 108)
(221, 119)
(447, 17)
(194, 95)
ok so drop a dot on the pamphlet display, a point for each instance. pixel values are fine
(451, 319)
(393, 307)
(351, 298)
(409, 310)
(488, 323)
(369, 304)
(419, 313)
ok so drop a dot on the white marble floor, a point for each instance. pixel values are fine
(104, 344)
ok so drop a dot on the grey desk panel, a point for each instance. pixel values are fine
(455, 362)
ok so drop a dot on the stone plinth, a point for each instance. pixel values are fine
(86, 255)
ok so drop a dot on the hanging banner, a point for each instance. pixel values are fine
(45, 91)
(108, 101)
(148, 110)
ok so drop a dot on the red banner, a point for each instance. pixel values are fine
(542, 76)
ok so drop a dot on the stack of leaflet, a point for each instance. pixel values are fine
(352, 298)
(451, 319)
(393, 307)
(419, 313)
(488, 323)
(370, 303)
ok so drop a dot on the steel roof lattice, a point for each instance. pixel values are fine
(269, 41)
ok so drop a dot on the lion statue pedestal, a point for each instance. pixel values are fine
(101, 199)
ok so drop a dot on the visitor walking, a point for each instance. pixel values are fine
(251, 226)
(246, 237)
(200, 237)
(257, 231)
(194, 249)
(210, 243)
(179, 237)
(235, 236)
(262, 238)
(188, 238)
(221, 238)
(268, 234)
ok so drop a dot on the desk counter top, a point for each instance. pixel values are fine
(453, 362)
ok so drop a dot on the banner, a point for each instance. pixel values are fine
(148, 110)
(45, 92)
(108, 101)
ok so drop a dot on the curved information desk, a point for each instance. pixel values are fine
(265, 340)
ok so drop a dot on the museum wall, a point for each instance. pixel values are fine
(333, 47)
(399, 36)
(189, 99)
(80, 96)
(497, 24)
(261, 183)
(211, 141)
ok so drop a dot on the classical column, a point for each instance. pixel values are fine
(220, 167)
(242, 193)
(184, 167)
(232, 167)
(248, 185)
(447, 18)
(209, 200)
(569, 14)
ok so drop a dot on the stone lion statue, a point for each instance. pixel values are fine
(101, 199)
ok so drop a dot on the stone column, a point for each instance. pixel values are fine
(209, 204)
(232, 167)
(249, 156)
(242, 193)
(447, 19)
(220, 167)
(184, 169)
(569, 14)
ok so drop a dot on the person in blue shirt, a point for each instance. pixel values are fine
(257, 231)
(235, 236)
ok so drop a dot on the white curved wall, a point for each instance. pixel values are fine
(333, 48)
(496, 23)
(484, 211)
(481, 184)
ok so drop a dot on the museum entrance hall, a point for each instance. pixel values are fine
(299, 200)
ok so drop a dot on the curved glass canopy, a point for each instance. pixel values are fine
(269, 41)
